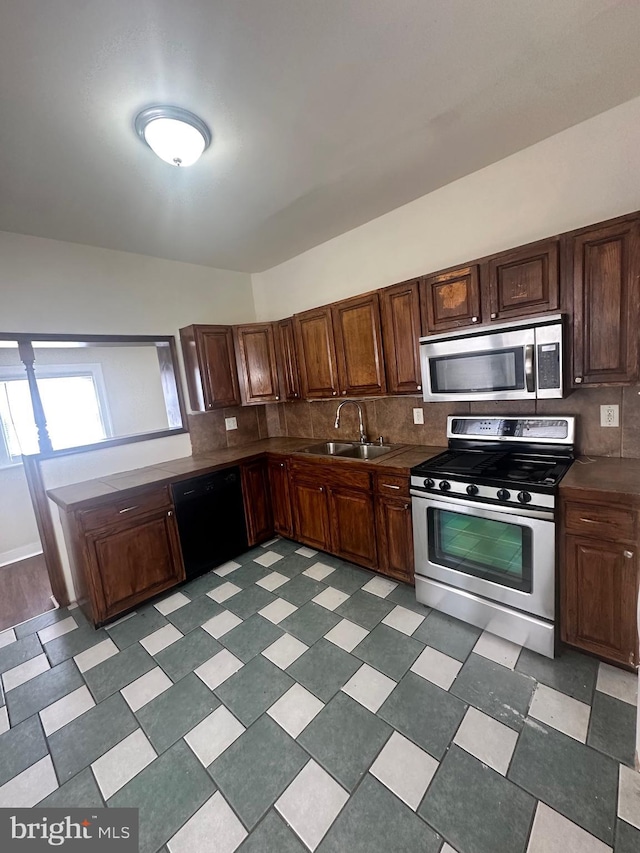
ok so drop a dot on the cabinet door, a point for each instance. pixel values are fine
(316, 350)
(280, 497)
(599, 594)
(310, 513)
(134, 561)
(257, 501)
(356, 323)
(353, 531)
(256, 354)
(606, 267)
(210, 366)
(523, 282)
(450, 299)
(395, 538)
(287, 359)
(400, 315)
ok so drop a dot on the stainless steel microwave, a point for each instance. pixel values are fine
(522, 360)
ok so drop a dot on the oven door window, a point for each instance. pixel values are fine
(492, 370)
(498, 551)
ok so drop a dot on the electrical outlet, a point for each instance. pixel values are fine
(231, 423)
(609, 416)
(418, 416)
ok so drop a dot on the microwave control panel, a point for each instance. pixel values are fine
(549, 365)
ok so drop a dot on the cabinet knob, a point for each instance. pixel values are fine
(170, 513)
(277, 398)
(334, 393)
(474, 319)
(406, 506)
(494, 315)
(209, 405)
(419, 387)
(578, 380)
(295, 393)
(628, 554)
(321, 489)
(344, 393)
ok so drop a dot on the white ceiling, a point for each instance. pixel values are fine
(325, 113)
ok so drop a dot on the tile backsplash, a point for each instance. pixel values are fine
(392, 418)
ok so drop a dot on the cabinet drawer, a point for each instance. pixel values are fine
(601, 521)
(329, 474)
(124, 508)
(390, 485)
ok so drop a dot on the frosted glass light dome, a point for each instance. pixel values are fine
(177, 136)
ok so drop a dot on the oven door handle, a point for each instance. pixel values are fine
(477, 508)
(529, 368)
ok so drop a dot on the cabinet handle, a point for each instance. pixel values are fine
(388, 486)
(628, 554)
(578, 380)
(474, 319)
(494, 315)
(590, 520)
(127, 509)
(321, 489)
(406, 506)
(170, 513)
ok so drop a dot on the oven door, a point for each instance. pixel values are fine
(505, 555)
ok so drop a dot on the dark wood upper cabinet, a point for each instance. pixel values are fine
(606, 269)
(450, 299)
(316, 349)
(287, 359)
(257, 366)
(522, 282)
(358, 336)
(400, 316)
(210, 365)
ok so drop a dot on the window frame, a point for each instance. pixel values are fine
(170, 376)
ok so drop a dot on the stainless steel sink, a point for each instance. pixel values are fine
(329, 448)
(366, 451)
(349, 450)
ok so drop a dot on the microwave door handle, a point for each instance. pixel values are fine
(529, 368)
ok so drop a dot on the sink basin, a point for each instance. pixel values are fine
(366, 451)
(330, 448)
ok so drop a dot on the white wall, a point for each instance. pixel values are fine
(583, 175)
(49, 286)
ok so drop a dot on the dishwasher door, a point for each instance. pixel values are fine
(211, 520)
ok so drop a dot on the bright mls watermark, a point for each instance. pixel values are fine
(102, 830)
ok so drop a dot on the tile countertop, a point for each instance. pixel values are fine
(604, 474)
(399, 460)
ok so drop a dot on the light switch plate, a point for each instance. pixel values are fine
(609, 416)
(231, 423)
(418, 416)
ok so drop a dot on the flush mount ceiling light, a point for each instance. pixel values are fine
(177, 136)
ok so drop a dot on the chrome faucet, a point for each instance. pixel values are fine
(363, 435)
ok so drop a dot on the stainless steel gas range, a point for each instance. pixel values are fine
(484, 529)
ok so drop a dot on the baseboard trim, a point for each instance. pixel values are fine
(22, 553)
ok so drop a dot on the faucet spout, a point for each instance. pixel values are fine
(363, 434)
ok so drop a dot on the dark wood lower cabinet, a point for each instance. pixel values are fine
(122, 551)
(353, 527)
(257, 501)
(135, 561)
(310, 512)
(395, 537)
(599, 576)
(280, 497)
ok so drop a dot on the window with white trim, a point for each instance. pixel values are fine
(73, 398)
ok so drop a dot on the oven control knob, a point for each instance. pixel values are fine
(524, 497)
(472, 489)
(444, 485)
(429, 483)
(503, 494)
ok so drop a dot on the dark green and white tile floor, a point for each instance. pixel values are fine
(290, 701)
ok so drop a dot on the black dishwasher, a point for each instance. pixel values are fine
(211, 521)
